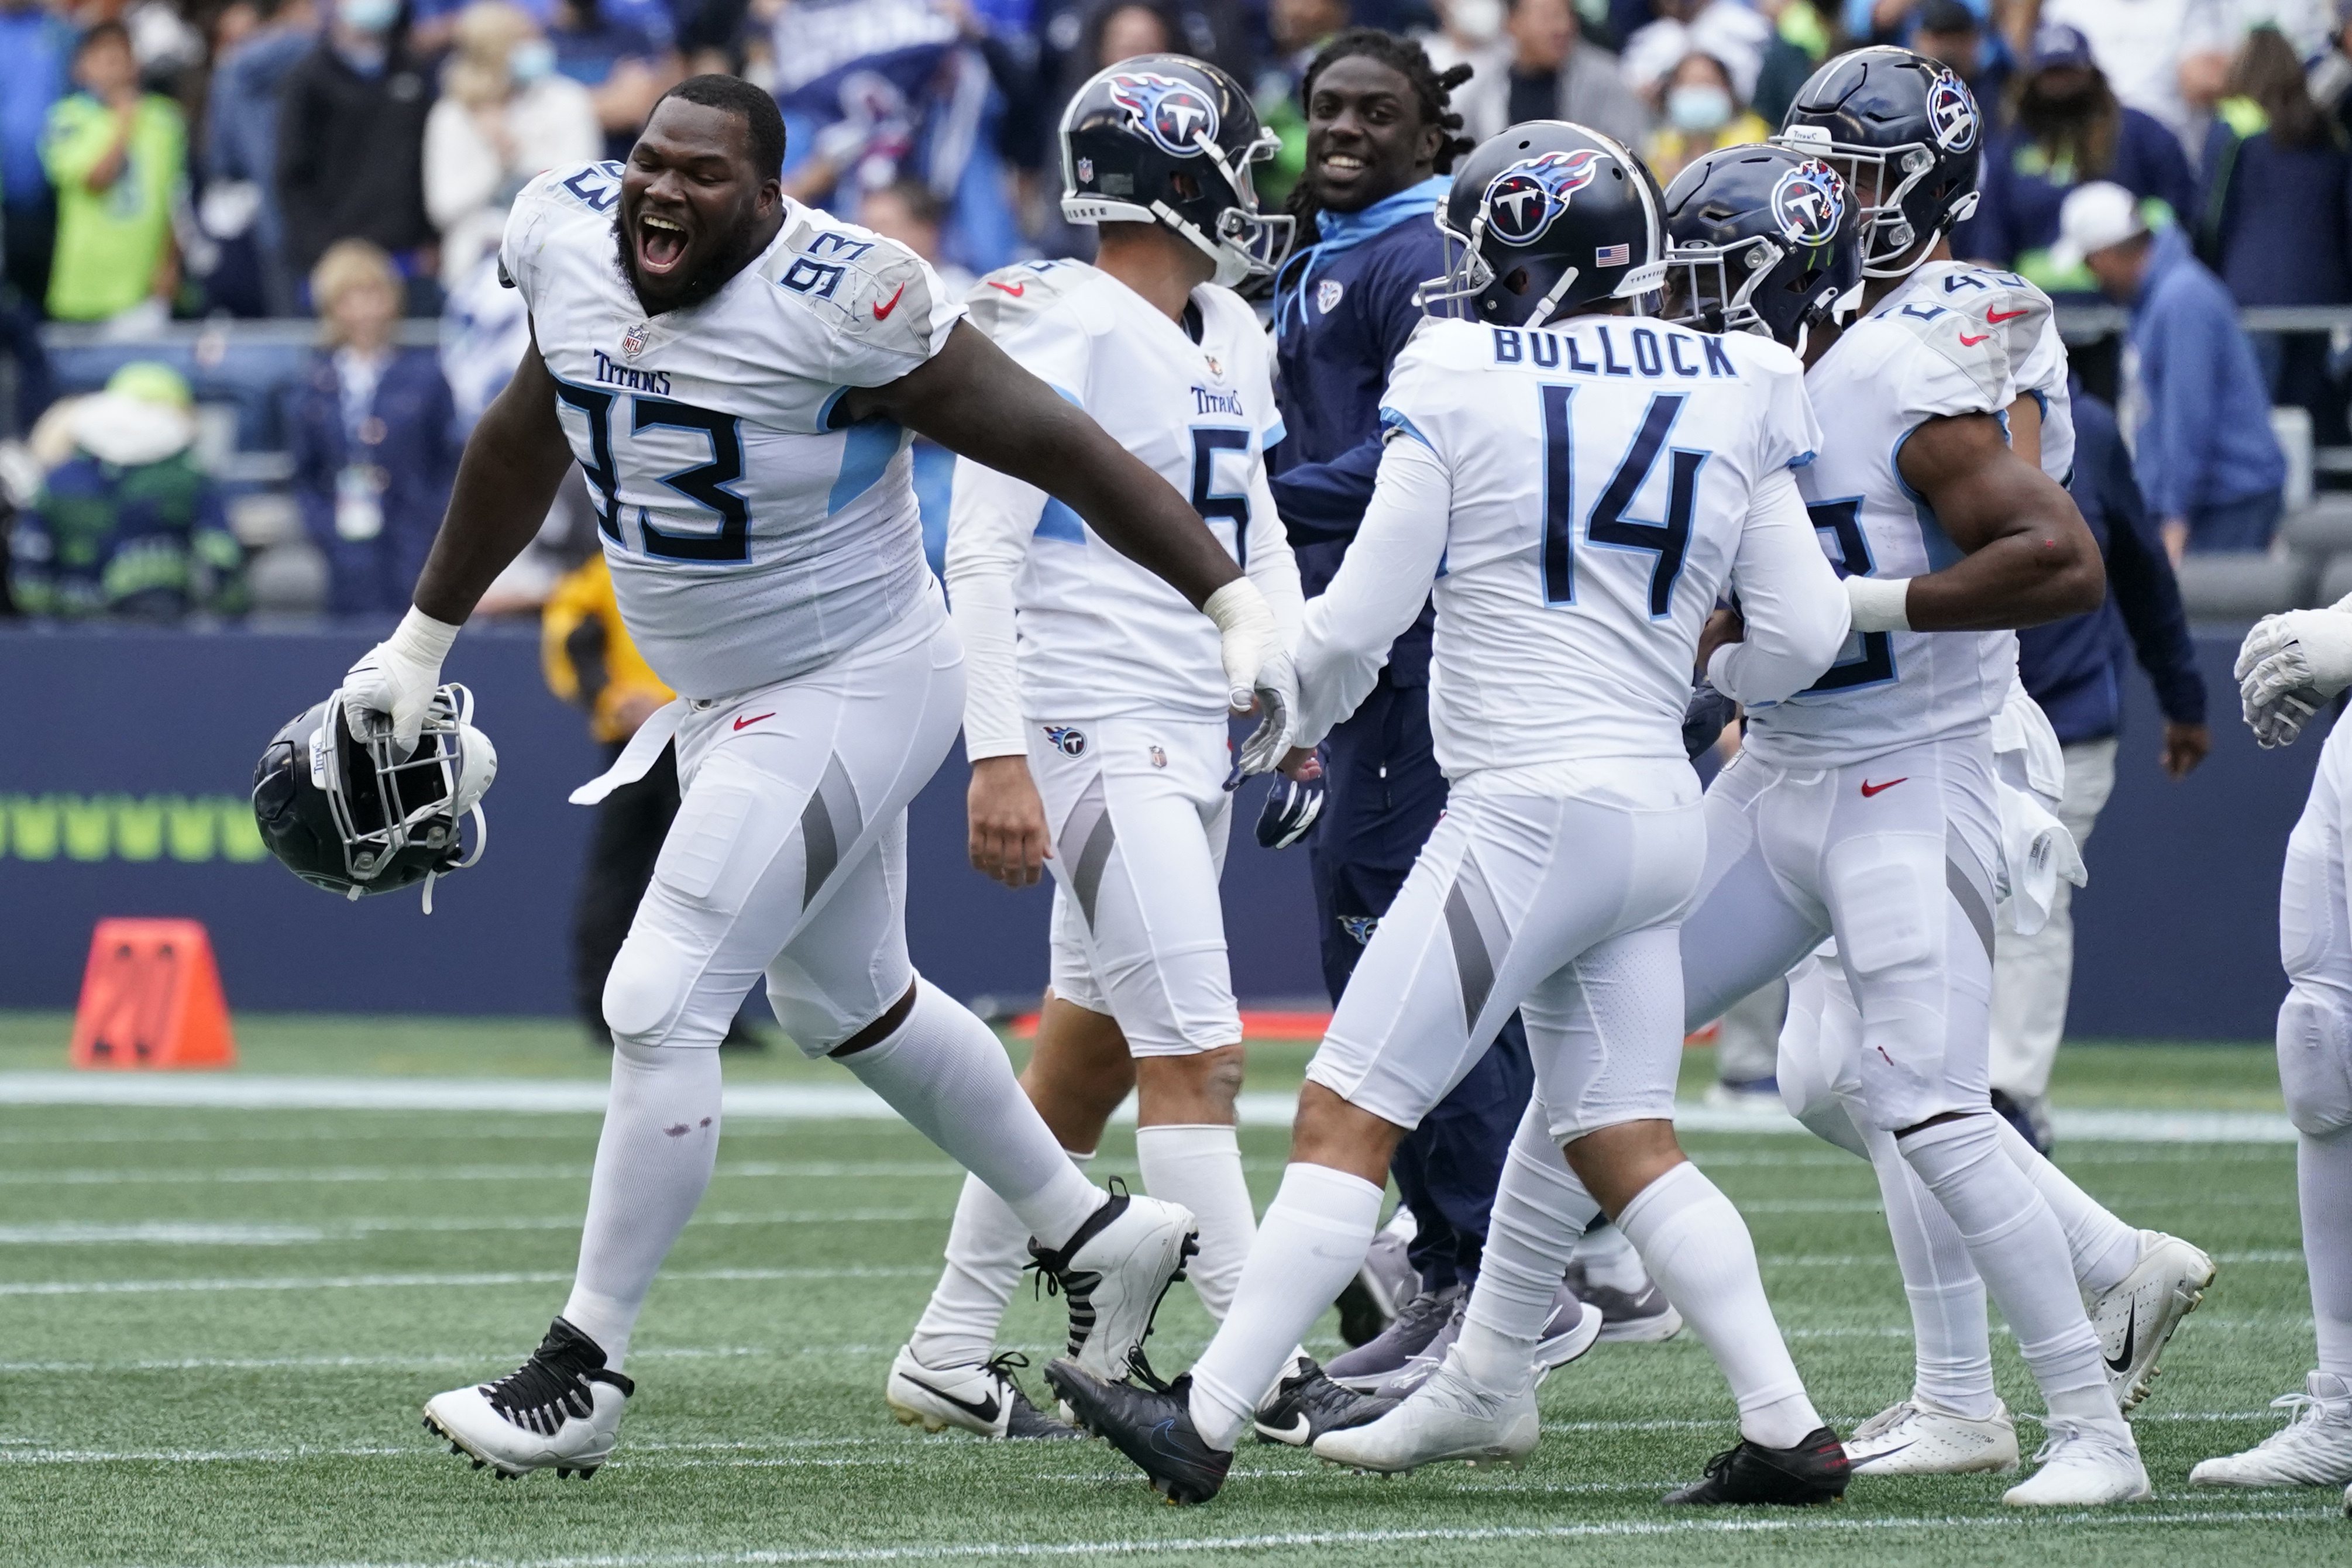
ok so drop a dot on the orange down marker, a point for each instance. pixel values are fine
(152, 998)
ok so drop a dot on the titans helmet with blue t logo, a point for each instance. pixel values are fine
(1907, 135)
(1543, 219)
(1170, 139)
(1763, 239)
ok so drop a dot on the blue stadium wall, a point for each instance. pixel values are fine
(129, 754)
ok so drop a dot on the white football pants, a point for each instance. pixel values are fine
(2315, 1043)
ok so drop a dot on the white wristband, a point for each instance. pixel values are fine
(1238, 601)
(421, 637)
(1880, 604)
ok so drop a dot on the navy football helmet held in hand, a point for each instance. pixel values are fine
(354, 817)
(1542, 219)
(1906, 133)
(1168, 139)
(1765, 239)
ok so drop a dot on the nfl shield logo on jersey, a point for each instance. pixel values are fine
(632, 341)
(1159, 758)
(1069, 741)
(1327, 295)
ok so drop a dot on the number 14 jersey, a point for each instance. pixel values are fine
(752, 537)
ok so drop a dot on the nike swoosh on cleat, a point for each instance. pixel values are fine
(1298, 1434)
(1890, 1453)
(2131, 1325)
(984, 1409)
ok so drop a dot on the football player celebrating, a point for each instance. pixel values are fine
(2293, 665)
(1542, 451)
(737, 382)
(1094, 706)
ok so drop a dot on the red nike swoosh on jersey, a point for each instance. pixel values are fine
(1995, 318)
(756, 718)
(882, 312)
(1015, 289)
(1968, 341)
(1869, 789)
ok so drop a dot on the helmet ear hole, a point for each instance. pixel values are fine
(1187, 186)
(1516, 280)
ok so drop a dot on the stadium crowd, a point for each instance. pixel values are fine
(352, 161)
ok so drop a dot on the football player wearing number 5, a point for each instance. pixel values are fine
(737, 382)
(1094, 710)
(1578, 484)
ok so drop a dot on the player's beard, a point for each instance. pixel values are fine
(697, 286)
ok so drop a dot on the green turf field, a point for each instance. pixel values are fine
(215, 1328)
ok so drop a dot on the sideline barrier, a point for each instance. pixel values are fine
(124, 796)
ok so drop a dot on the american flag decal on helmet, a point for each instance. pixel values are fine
(1613, 255)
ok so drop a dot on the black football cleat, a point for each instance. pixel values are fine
(1152, 1426)
(1812, 1472)
(1305, 1404)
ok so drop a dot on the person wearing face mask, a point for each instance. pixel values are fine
(2066, 128)
(504, 115)
(1702, 113)
(1534, 64)
(350, 141)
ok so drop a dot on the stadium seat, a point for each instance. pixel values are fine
(2321, 529)
(2335, 581)
(2241, 588)
(2292, 427)
(288, 579)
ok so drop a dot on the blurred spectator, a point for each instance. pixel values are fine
(20, 345)
(908, 213)
(1727, 29)
(2138, 46)
(621, 52)
(1802, 39)
(2068, 128)
(2075, 669)
(503, 117)
(1548, 71)
(128, 526)
(36, 56)
(2275, 219)
(373, 434)
(350, 142)
(2196, 407)
(1702, 113)
(1470, 32)
(118, 159)
(1949, 31)
(241, 137)
(2329, 74)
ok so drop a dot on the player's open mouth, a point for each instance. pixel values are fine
(661, 243)
(1342, 167)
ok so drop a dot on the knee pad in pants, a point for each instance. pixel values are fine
(2315, 1059)
(1812, 1041)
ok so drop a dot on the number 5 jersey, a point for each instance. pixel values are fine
(752, 536)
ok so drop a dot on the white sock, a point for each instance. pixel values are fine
(2323, 1180)
(2020, 1249)
(944, 1072)
(987, 1247)
(1201, 1167)
(1316, 1234)
(1949, 1341)
(1698, 1250)
(2104, 1247)
(653, 1161)
(1540, 1211)
(1610, 1260)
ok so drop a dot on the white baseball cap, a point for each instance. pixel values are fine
(2095, 216)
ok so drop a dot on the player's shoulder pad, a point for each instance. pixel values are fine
(1011, 297)
(1445, 344)
(1759, 357)
(860, 287)
(2011, 305)
(1953, 362)
(569, 196)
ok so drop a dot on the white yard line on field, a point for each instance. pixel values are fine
(851, 1101)
(433, 1281)
(198, 1233)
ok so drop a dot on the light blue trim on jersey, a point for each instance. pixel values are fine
(1803, 460)
(867, 449)
(1941, 551)
(824, 411)
(1393, 420)
(1058, 521)
(1274, 436)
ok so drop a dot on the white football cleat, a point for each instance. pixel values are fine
(1115, 1269)
(982, 1398)
(2313, 1449)
(1919, 1439)
(2135, 1320)
(2082, 1467)
(559, 1409)
(1448, 1417)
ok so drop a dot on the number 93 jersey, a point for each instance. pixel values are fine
(1953, 340)
(751, 538)
(1603, 472)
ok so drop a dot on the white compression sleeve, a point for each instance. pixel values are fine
(1200, 1167)
(1271, 564)
(1540, 1212)
(1797, 614)
(987, 1247)
(1380, 587)
(989, 529)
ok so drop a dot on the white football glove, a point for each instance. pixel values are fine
(2290, 665)
(1257, 669)
(391, 689)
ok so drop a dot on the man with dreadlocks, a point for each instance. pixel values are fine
(1380, 137)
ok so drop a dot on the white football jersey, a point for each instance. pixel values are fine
(751, 539)
(1099, 634)
(1952, 340)
(1602, 473)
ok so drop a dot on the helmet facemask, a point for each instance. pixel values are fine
(384, 803)
(1893, 245)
